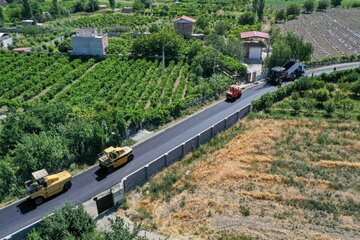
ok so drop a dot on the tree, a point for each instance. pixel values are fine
(329, 107)
(247, 18)
(233, 47)
(27, 10)
(2, 17)
(309, 6)
(288, 46)
(336, 3)
(296, 106)
(293, 10)
(280, 15)
(138, 5)
(259, 6)
(7, 177)
(355, 87)
(154, 44)
(222, 27)
(112, 4)
(323, 5)
(79, 6)
(69, 222)
(55, 8)
(346, 105)
(206, 60)
(65, 46)
(120, 231)
(35, 152)
(92, 6)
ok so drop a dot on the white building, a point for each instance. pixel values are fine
(5, 40)
(89, 42)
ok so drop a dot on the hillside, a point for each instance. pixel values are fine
(284, 174)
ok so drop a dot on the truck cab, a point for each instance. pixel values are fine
(43, 185)
(114, 157)
(234, 92)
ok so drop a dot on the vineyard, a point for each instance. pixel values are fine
(141, 90)
(332, 33)
(101, 21)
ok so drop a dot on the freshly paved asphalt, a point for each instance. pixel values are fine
(90, 183)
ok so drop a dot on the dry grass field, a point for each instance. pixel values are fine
(263, 179)
(335, 32)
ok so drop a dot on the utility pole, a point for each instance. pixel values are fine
(163, 53)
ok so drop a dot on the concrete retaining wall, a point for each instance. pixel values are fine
(156, 166)
(174, 155)
(205, 136)
(137, 178)
(220, 126)
(231, 120)
(191, 144)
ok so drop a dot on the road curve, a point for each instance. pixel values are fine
(88, 184)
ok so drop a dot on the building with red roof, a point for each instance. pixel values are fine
(22, 49)
(254, 44)
(255, 34)
(185, 26)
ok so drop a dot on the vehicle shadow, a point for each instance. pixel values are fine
(26, 206)
(101, 174)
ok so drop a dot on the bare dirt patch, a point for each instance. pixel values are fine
(279, 179)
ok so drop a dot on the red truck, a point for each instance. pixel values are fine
(233, 93)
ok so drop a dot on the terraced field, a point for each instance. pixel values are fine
(335, 32)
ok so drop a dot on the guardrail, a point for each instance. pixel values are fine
(116, 194)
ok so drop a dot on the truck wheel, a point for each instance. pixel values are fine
(38, 201)
(131, 157)
(67, 186)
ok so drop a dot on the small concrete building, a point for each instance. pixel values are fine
(89, 42)
(5, 40)
(185, 26)
(253, 44)
(253, 50)
(127, 10)
(27, 22)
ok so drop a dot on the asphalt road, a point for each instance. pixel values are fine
(90, 183)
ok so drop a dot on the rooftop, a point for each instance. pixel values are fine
(22, 49)
(186, 19)
(87, 33)
(255, 34)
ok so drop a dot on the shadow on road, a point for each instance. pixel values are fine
(26, 206)
(101, 174)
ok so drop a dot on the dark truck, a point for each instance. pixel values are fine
(290, 71)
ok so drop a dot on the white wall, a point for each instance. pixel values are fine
(254, 53)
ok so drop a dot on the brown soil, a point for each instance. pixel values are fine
(241, 189)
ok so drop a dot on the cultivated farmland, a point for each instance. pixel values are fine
(335, 32)
(140, 89)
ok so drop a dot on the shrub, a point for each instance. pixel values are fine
(323, 5)
(232, 64)
(355, 87)
(329, 107)
(321, 94)
(293, 10)
(247, 18)
(280, 15)
(309, 5)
